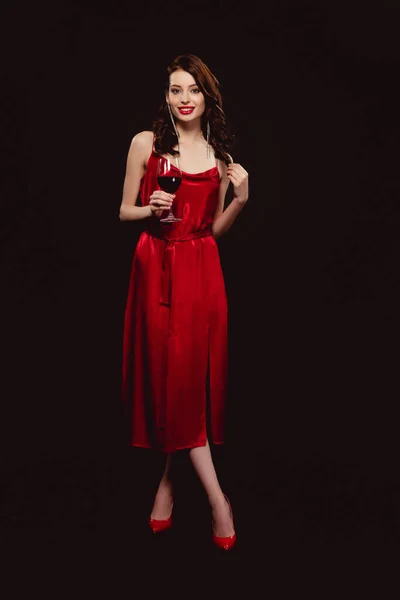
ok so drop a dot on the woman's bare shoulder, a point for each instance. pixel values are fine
(143, 140)
(144, 136)
(141, 146)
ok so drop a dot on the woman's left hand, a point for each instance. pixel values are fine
(240, 180)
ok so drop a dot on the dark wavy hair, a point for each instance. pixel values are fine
(220, 138)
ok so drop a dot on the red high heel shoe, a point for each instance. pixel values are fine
(225, 543)
(158, 525)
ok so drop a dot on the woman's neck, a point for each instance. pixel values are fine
(189, 133)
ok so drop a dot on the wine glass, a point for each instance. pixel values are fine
(169, 178)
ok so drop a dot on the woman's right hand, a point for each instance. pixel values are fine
(160, 201)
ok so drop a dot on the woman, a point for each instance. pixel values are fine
(175, 330)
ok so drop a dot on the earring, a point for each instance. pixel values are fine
(208, 139)
(176, 133)
(172, 119)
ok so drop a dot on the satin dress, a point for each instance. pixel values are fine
(174, 357)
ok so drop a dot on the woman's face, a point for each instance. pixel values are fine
(185, 97)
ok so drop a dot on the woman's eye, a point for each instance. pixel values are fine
(176, 91)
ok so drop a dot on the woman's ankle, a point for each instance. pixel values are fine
(217, 500)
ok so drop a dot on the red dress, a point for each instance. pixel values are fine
(174, 360)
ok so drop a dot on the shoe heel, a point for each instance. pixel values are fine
(226, 543)
(158, 525)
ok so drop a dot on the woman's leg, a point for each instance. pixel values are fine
(164, 497)
(204, 466)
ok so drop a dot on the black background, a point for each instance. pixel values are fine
(311, 270)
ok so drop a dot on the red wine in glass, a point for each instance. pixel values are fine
(169, 179)
(169, 183)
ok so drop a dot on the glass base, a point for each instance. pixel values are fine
(170, 219)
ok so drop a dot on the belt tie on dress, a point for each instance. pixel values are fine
(169, 253)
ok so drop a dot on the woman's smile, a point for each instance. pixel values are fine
(186, 110)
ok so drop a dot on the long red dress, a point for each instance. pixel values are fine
(174, 359)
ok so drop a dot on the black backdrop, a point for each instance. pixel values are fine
(311, 271)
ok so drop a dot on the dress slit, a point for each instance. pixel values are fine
(208, 392)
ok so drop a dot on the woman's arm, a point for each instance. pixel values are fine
(159, 201)
(224, 219)
(135, 167)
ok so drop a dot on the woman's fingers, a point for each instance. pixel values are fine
(161, 199)
(158, 202)
(237, 174)
(236, 168)
(233, 177)
(239, 178)
(160, 195)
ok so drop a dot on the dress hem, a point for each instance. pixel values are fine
(149, 447)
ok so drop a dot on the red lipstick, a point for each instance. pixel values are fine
(186, 110)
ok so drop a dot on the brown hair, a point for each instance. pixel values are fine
(220, 139)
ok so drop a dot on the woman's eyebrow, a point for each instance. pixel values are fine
(191, 85)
